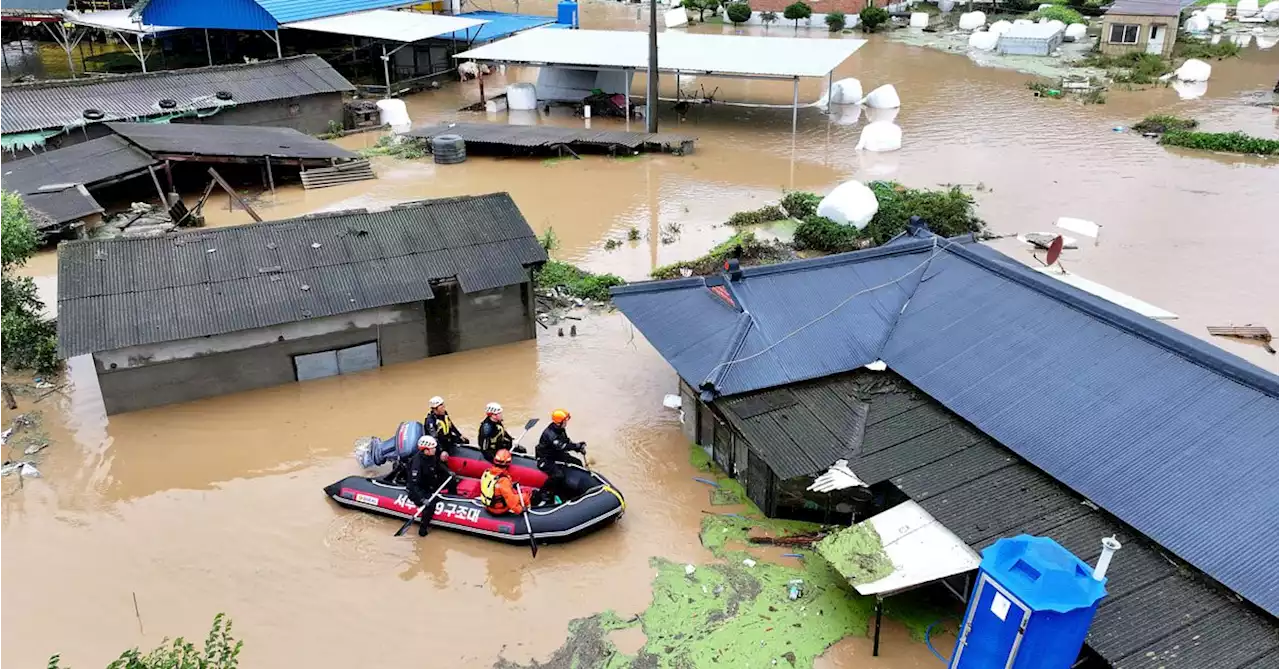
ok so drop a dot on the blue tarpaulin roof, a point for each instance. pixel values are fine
(500, 25)
(249, 14)
(1171, 434)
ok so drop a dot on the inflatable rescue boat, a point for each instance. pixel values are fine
(593, 501)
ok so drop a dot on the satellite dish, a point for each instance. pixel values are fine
(1055, 250)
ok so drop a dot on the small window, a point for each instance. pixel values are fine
(1124, 34)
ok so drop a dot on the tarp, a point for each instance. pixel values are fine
(732, 55)
(115, 20)
(390, 25)
(920, 548)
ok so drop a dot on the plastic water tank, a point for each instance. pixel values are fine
(1031, 606)
(567, 13)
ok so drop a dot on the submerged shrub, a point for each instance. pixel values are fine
(1231, 142)
(575, 282)
(1162, 123)
(764, 214)
(835, 21)
(800, 204)
(751, 251)
(1058, 13)
(872, 17)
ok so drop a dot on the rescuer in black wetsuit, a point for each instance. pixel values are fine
(428, 468)
(493, 436)
(553, 452)
(439, 424)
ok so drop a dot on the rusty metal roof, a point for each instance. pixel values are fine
(125, 292)
(61, 104)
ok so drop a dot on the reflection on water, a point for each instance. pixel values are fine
(216, 505)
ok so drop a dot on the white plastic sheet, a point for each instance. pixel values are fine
(983, 40)
(522, 96)
(884, 97)
(846, 92)
(1246, 8)
(851, 203)
(1075, 32)
(879, 137)
(1193, 70)
(972, 20)
(1271, 11)
(919, 20)
(999, 27)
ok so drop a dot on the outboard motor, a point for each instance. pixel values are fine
(373, 452)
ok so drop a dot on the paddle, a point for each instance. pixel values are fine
(533, 540)
(527, 426)
(405, 528)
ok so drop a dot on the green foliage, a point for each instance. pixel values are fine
(548, 240)
(221, 651)
(818, 233)
(753, 252)
(1058, 13)
(1192, 47)
(768, 17)
(800, 204)
(27, 339)
(703, 6)
(396, 147)
(949, 212)
(633, 234)
(796, 11)
(1129, 68)
(764, 214)
(1161, 123)
(871, 18)
(835, 21)
(738, 12)
(1231, 142)
(575, 282)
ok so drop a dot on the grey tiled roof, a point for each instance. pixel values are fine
(198, 139)
(125, 292)
(58, 104)
(89, 163)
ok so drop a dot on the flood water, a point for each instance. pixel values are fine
(217, 506)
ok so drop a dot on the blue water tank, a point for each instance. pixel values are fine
(1031, 607)
(567, 14)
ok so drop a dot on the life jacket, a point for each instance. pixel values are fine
(489, 496)
(500, 438)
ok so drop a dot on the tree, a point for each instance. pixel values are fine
(872, 17)
(221, 651)
(768, 17)
(738, 12)
(27, 339)
(796, 11)
(835, 21)
(703, 6)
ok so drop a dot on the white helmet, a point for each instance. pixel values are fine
(426, 442)
(492, 408)
(436, 401)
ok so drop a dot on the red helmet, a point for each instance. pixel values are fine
(502, 458)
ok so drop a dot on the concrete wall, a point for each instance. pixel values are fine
(147, 376)
(1144, 33)
(458, 321)
(689, 406)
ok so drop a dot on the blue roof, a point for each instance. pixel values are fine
(500, 25)
(1171, 434)
(1042, 574)
(249, 14)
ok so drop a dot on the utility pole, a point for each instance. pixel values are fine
(651, 97)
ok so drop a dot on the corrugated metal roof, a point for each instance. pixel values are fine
(124, 292)
(87, 163)
(287, 11)
(250, 14)
(27, 6)
(799, 430)
(391, 25)
(61, 206)
(61, 104)
(1156, 614)
(1125, 410)
(1146, 7)
(498, 26)
(198, 139)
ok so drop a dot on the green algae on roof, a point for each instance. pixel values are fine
(856, 552)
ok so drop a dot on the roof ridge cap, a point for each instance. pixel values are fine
(157, 74)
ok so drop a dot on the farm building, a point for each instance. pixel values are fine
(1002, 402)
(302, 92)
(1037, 39)
(210, 312)
(1148, 26)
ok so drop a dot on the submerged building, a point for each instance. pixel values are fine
(215, 311)
(944, 374)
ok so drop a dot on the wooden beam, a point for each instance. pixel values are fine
(234, 195)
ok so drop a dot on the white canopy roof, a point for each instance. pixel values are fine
(731, 55)
(388, 24)
(115, 20)
(921, 549)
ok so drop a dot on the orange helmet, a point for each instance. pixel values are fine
(559, 416)
(502, 458)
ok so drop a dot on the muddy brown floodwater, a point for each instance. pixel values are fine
(217, 506)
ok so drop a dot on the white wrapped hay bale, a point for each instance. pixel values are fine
(972, 20)
(1271, 12)
(999, 27)
(919, 20)
(522, 96)
(1246, 8)
(1190, 90)
(884, 97)
(983, 40)
(1193, 70)
(1217, 13)
(881, 115)
(880, 136)
(851, 203)
(1242, 41)
(1057, 25)
(846, 92)
(1023, 22)
(1075, 32)
(1265, 42)
(845, 114)
(945, 6)
(395, 114)
(1196, 23)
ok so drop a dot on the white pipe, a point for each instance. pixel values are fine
(1109, 548)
